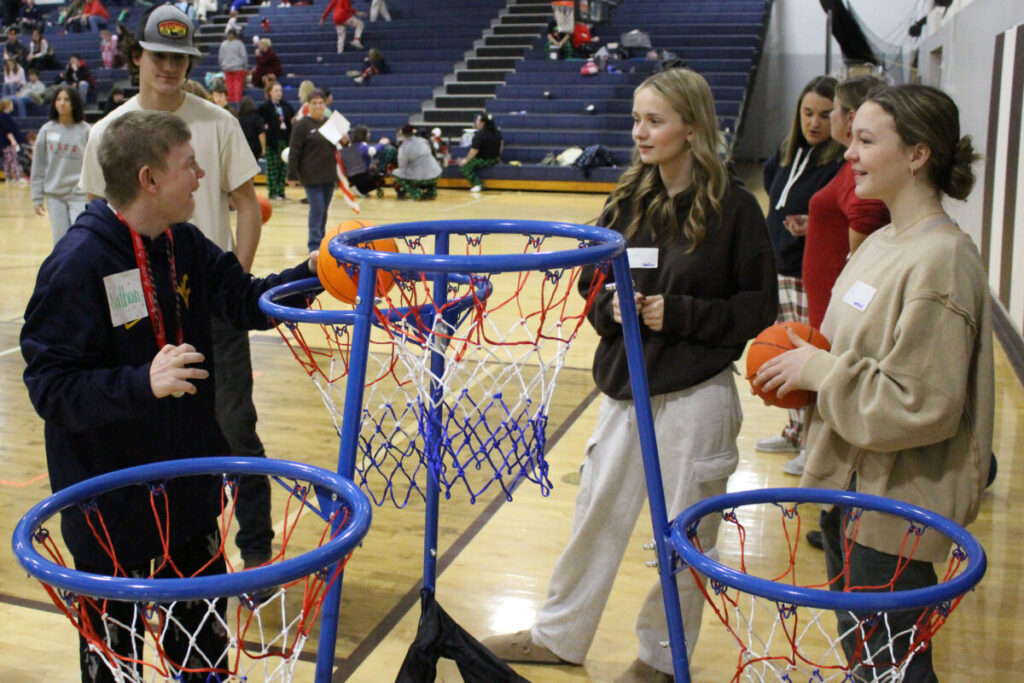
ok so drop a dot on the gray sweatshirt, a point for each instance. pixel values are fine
(57, 161)
(232, 56)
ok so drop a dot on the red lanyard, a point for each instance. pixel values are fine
(156, 317)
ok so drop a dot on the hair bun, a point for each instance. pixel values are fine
(961, 175)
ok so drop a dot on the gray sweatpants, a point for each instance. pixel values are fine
(696, 431)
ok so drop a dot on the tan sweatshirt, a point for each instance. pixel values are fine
(906, 397)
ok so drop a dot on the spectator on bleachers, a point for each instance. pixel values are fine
(57, 162)
(485, 150)
(267, 63)
(12, 10)
(73, 11)
(344, 16)
(14, 77)
(14, 48)
(234, 62)
(114, 100)
(188, 8)
(40, 53)
(418, 170)
(379, 7)
(78, 74)
(31, 92)
(31, 16)
(219, 95)
(277, 114)
(108, 48)
(311, 161)
(11, 138)
(232, 22)
(253, 128)
(558, 43)
(94, 16)
(204, 8)
(373, 64)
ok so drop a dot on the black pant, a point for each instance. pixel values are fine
(868, 567)
(182, 621)
(236, 416)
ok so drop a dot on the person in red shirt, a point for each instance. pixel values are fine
(838, 220)
(94, 16)
(344, 16)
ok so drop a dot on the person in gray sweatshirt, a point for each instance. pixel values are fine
(57, 162)
(234, 62)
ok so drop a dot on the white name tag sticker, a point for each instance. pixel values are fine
(642, 257)
(859, 295)
(125, 298)
(53, 137)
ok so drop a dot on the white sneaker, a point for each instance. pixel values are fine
(796, 465)
(776, 444)
(356, 44)
(476, 188)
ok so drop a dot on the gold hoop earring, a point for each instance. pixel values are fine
(913, 170)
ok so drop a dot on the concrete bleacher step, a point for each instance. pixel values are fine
(483, 88)
(484, 64)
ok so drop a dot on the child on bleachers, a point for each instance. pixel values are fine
(232, 24)
(31, 16)
(14, 78)
(40, 52)
(108, 48)
(31, 92)
(14, 48)
(558, 43)
(344, 16)
(77, 74)
(114, 100)
(373, 64)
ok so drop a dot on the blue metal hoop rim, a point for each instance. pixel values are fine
(824, 598)
(167, 590)
(607, 245)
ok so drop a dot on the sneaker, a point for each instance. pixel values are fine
(796, 465)
(356, 44)
(519, 647)
(476, 188)
(777, 444)
(358, 79)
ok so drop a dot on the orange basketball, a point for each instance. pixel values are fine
(265, 208)
(335, 278)
(774, 341)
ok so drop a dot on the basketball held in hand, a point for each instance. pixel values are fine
(336, 279)
(772, 342)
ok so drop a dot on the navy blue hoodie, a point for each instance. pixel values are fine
(90, 382)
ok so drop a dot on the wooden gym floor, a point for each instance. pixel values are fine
(495, 559)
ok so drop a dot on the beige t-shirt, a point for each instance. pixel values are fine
(221, 151)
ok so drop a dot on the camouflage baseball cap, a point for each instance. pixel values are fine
(168, 29)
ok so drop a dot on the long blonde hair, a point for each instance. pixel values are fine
(640, 188)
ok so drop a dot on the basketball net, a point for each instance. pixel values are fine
(788, 642)
(257, 637)
(564, 11)
(480, 421)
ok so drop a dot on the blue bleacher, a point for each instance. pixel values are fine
(429, 44)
